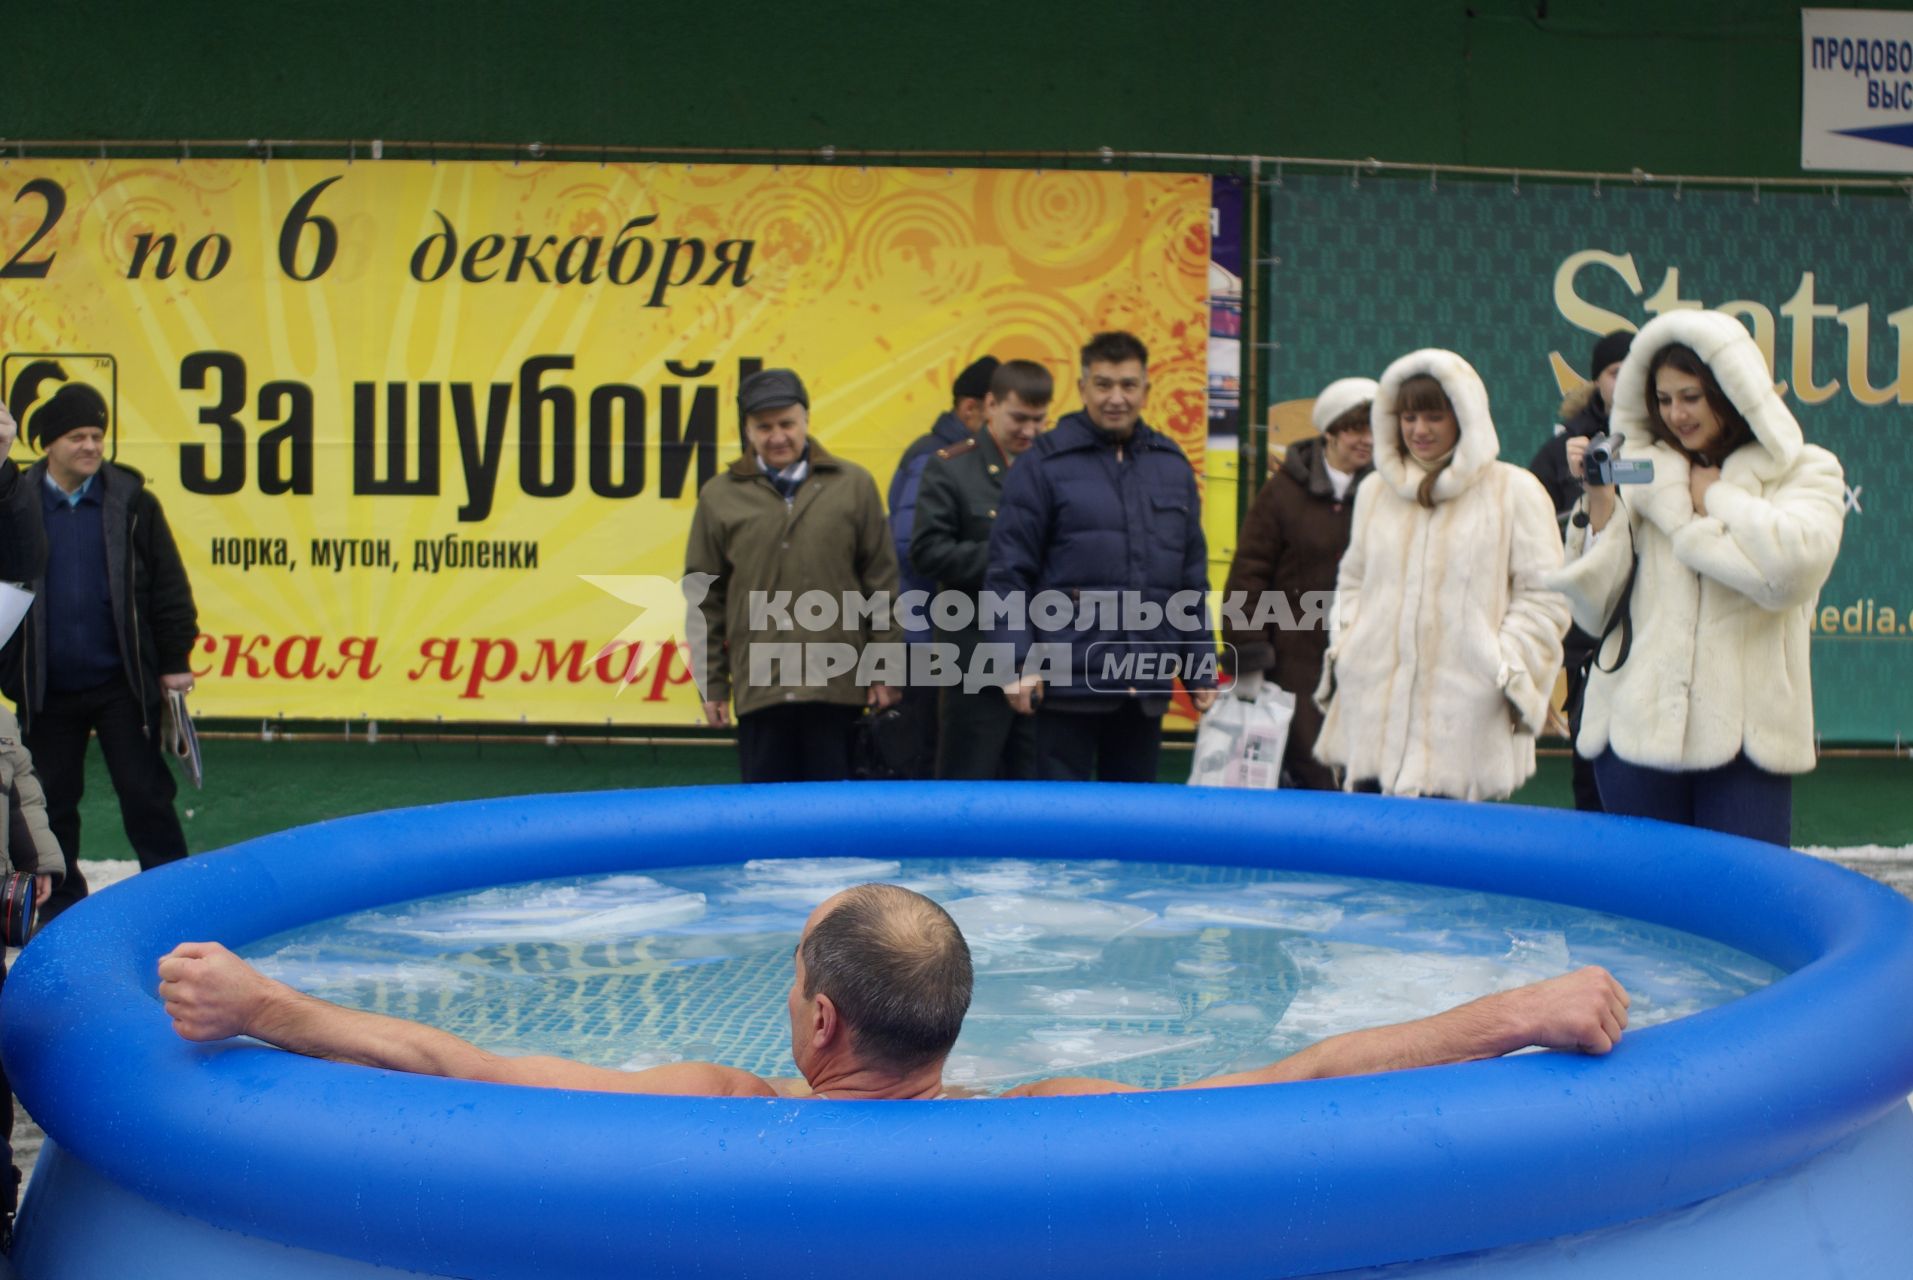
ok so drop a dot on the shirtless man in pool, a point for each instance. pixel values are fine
(883, 982)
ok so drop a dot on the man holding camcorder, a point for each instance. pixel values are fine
(1584, 416)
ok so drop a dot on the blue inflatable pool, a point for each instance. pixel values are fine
(1770, 1136)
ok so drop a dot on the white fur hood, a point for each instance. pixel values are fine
(1478, 446)
(1726, 347)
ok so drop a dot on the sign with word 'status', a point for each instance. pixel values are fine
(1856, 90)
(425, 432)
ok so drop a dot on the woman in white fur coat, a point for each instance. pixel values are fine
(1711, 712)
(1445, 643)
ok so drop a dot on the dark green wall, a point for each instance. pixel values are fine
(1707, 86)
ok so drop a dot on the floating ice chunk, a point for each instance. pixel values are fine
(1205, 968)
(1001, 957)
(1077, 1050)
(1268, 913)
(1543, 953)
(1233, 1011)
(1651, 1013)
(325, 974)
(612, 907)
(1009, 916)
(1053, 878)
(985, 1070)
(802, 883)
(1113, 1003)
(813, 871)
(1346, 987)
(1302, 888)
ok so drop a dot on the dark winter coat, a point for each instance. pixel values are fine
(154, 620)
(1292, 542)
(905, 484)
(1078, 521)
(22, 534)
(1583, 414)
(956, 509)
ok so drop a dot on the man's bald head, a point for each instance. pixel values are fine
(897, 968)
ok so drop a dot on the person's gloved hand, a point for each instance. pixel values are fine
(1248, 685)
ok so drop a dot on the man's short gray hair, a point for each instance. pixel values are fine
(897, 968)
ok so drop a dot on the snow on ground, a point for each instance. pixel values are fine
(1849, 854)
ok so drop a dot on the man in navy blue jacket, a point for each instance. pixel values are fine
(1099, 539)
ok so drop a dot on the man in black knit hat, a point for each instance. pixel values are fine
(110, 631)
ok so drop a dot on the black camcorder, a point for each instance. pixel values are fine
(1604, 465)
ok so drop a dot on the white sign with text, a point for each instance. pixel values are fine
(1856, 90)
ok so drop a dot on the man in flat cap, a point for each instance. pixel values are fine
(787, 518)
(956, 425)
(110, 631)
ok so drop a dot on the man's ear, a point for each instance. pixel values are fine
(827, 1028)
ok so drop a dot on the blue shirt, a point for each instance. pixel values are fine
(83, 649)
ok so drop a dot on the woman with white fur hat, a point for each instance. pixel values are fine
(1445, 641)
(1701, 584)
(1291, 546)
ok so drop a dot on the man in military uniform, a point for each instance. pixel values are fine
(978, 734)
(917, 713)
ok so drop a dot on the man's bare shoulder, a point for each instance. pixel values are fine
(684, 1079)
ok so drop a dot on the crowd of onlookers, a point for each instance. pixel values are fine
(1665, 547)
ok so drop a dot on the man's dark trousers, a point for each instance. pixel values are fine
(1118, 745)
(57, 737)
(979, 736)
(796, 742)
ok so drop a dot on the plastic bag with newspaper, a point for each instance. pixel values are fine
(1240, 744)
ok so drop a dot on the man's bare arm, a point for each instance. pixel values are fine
(212, 994)
(1584, 1011)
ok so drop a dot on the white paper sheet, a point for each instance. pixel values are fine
(14, 602)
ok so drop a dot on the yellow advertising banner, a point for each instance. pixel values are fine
(429, 435)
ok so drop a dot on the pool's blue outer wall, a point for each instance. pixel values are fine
(447, 1178)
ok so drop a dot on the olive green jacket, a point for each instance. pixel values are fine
(956, 506)
(830, 538)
